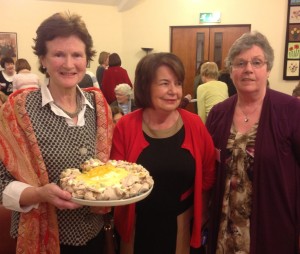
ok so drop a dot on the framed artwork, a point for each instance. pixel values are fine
(8, 45)
(295, 2)
(291, 69)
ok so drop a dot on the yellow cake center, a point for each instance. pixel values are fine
(103, 176)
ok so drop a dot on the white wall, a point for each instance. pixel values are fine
(147, 24)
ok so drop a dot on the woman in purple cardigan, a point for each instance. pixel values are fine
(256, 201)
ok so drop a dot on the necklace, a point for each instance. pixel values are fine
(78, 107)
(246, 118)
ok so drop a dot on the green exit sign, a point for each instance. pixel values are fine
(210, 17)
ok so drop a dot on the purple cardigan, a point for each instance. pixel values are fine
(275, 218)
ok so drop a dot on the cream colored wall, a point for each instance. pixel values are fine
(148, 25)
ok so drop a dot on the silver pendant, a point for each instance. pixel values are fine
(83, 151)
(246, 120)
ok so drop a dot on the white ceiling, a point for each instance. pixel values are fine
(122, 5)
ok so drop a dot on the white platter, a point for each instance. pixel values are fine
(112, 202)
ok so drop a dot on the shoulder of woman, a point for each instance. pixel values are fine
(283, 102)
(19, 96)
(221, 83)
(91, 92)
(188, 116)
(131, 121)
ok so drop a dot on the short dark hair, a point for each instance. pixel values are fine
(5, 60)
(22, 64)
(114, 60)
(116, 110)
(145, 74)
(62, 25)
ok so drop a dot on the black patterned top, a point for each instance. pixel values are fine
(62, 146)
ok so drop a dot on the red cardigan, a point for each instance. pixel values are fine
(112, 77)
(128, 143)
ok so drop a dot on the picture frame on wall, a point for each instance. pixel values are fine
(8, 45)
(295, 2)
(292, 46)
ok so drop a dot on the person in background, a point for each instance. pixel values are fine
(296, 91)
(123, 94)
(103, 65)
(114, 76)
(175, 147)
(24, 77)
(256, 202)
(198, 81)
(6, 75)
(117, 113)
(44, 131)
(224, 76)
(211, 91)
(89, 80)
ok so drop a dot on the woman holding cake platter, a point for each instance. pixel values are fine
(44, 131)
(175, 147)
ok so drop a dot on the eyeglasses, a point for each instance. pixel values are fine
(255, 63)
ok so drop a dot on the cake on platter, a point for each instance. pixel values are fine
(113, 180)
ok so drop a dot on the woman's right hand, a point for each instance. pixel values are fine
(50, 193)
(54, 195)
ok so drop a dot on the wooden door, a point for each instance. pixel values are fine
(202, 43)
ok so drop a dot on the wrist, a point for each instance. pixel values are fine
(30, 196)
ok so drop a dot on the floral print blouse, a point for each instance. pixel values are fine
(234, 230)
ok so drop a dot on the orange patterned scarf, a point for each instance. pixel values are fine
(20, 153)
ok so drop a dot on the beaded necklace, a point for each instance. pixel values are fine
(78, 107)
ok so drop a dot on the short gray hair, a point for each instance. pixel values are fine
(247, 41)
(124, 89)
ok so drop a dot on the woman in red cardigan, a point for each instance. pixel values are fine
(174, 145)
(113, 76)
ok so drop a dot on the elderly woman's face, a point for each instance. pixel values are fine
(249, 70)
(121, 97)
